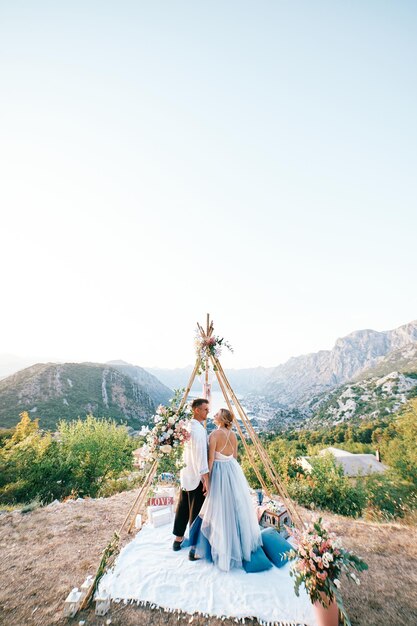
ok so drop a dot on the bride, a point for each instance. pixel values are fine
(226, 530)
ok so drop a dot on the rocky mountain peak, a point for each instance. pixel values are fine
(295, 381)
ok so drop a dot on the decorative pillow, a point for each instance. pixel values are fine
(275, 546)
(258, 562)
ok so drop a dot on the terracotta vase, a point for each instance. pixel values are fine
(326, 616)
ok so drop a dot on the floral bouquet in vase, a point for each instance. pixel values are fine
(321, 562)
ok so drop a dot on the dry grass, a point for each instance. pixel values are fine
(46, 552)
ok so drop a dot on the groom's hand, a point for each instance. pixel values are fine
(205, 485)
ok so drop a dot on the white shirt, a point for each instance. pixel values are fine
(195, 457)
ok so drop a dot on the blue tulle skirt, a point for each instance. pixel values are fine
(226, 531)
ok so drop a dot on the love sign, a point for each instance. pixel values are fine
(160, 501)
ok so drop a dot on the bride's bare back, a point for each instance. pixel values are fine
(224, 441)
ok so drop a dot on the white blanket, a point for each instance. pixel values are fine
(148, 570)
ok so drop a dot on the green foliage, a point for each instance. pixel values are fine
(389, 497)
(327, 488)
(169, 463)
(76, 390)
(284, 456)
(94, 449)
(248, 468)
(381, 496)
(400, 450)
(124, 482)
(80, 460)
(5, 435)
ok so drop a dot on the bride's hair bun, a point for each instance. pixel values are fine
(226, 417)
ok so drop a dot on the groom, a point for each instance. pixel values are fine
(194, 476)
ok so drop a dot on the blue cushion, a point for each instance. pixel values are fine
(258, 562)
(275, 546)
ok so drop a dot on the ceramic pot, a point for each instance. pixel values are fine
(326, 616)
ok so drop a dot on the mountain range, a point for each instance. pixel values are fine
(374, 397)
(54, 391)
(361, 354)
(354, 356)
(311, 384)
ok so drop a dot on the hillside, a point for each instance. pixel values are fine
(49, 551)
(403, 360)
(160, 393)
(359, 355)
(10, 363)
(65, 391)
(244, 381)
(374, 397)
(296, 381)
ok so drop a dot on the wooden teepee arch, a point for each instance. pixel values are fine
(236, 409)
(233, 403)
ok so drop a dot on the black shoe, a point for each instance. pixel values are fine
(177, 545)
(192, 556)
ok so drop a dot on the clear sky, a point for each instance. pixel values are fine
(164, 159)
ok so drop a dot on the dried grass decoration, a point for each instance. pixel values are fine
(108, 558)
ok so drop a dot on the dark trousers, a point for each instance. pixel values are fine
(188, 507)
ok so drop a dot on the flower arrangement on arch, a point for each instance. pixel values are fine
(171, 430)
(321, 561)
(210, 346)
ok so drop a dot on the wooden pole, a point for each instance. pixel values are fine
(259, 447)
(143, 492)
(143, 495)
(273, 475)
(190, 383)
(263, 455)
(139, 501)
(239, 430)
(207, 360)
(138, 497)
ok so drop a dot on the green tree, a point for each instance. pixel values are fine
(327, 488)
(94, 450)
(400, 450)
(85, 454)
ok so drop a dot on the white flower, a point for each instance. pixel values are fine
(355, 578)
(170, 431)
(337, 583)
(329, 556)
(171, 420)
(166, 449)
(144, 431)
(144, 451)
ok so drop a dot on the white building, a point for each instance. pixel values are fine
(353, 464)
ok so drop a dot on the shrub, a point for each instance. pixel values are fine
(84, 456)
(400, 450)
(389, 497)
(94, 450)
(327, 488)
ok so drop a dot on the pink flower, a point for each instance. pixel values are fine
(322, 575)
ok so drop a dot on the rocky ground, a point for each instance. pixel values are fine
(50, 550)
